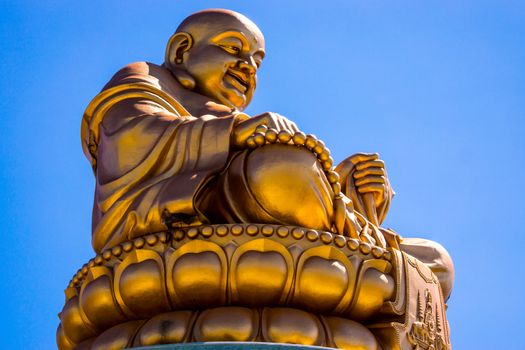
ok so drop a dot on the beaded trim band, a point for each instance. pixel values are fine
(253, 230)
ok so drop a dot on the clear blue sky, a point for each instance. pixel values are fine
(436, 87)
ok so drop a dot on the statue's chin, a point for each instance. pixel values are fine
(231, 97)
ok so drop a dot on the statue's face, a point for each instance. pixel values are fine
(224, 60)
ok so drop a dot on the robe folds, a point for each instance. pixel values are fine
(149, 155)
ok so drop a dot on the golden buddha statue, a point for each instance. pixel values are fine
(210, 225)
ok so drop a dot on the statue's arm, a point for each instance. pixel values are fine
(129, 131)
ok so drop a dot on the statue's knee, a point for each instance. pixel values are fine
(289, 181)
(436, 257)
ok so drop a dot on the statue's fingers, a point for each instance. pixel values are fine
(283, 121)
(294, 127)
(344, 169)
(275, 123)
(243, 130)
(369, 171)
(370, 164)
(372, 188)
(279, 121)
(289, 126)
(263, 118)
(362, 157)
(285, 126)
(370, 180)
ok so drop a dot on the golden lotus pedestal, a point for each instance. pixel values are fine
(253, 283)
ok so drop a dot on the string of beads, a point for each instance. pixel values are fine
(264, 136)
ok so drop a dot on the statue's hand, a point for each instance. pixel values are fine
(370, 176)
(364, 179)
(246, 128)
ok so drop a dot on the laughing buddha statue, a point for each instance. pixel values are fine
(212, 225)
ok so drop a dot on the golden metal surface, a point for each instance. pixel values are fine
(209, 224)
(254, 265)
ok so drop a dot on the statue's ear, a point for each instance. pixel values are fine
(178, 44)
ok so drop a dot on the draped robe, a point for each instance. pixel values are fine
(149, 155)
(156, 164)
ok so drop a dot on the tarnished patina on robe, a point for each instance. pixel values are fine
(149, 155)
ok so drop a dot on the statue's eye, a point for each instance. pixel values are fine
(234, 50)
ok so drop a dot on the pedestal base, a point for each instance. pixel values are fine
(230, 346)
(263, 283)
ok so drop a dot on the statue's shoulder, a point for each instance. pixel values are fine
(136, 80)
(143, 72)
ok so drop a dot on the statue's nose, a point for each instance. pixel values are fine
(248, 66)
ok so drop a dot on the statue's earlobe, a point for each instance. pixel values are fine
(178, 45)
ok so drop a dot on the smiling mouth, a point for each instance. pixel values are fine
(238, 80)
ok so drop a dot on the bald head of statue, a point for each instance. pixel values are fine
(216, 53)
